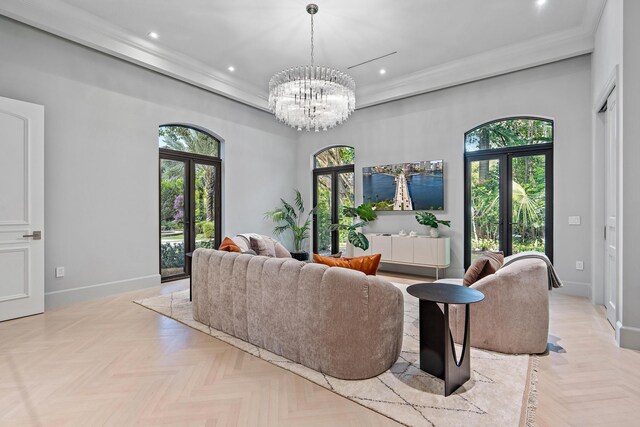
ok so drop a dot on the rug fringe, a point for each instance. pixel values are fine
(532, 400)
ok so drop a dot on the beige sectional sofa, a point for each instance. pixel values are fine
(336, 321)
(514, 315)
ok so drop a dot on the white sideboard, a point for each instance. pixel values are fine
(421, 251)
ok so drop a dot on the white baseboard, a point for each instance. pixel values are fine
(64, 297)
(628, 336)
(576, 289)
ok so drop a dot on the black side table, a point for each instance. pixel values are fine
(437, 351)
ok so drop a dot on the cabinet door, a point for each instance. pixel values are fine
(402, 249)
(444, 251)
(381, 245)
(425, 251)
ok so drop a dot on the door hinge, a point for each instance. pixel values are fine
(605, 232)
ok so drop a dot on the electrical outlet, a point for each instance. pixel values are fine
(579, 265)
(59, 272)
(574, 220)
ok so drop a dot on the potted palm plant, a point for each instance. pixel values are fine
(290, 218)
(430, 220)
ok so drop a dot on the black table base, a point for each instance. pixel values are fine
(437, 351)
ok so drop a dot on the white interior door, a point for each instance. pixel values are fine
(21, 209)
(611, 208)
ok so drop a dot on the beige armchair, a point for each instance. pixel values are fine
(514, 316)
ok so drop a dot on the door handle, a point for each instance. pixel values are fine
(37, 235)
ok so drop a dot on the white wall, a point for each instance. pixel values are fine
(629, 328)
(432, 126)
(101, 158)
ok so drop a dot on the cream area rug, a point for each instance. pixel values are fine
(501, 391)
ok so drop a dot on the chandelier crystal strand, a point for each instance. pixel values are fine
(312, 97)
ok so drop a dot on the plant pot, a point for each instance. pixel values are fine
(434, 232)
(300, 256)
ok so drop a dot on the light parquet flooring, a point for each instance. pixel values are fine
(588, 380)
(112, 362)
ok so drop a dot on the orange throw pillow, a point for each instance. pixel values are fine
(367, 264)
(229, 245)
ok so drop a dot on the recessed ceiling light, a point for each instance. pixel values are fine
(231, 68)
(153, 35)
(540, 2)
(383, 71)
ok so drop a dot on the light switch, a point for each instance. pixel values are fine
(574, 220)
(579, 265)
(59, 272)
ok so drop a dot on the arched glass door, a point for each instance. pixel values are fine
(333, 188)
(509, 187)
(190, 187)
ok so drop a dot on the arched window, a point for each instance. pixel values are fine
(509, 187)
(333, 188)
(190, 187)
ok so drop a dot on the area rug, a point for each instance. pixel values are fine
(501, 391)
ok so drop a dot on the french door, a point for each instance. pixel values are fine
(509, 201)
(333, 188)
(189, 209)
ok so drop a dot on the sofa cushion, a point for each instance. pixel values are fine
(229, 245)
(486, 264)
(368, 264)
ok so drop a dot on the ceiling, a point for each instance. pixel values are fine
(439, 43)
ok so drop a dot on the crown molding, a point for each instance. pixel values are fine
(488, 64)
(72, 23)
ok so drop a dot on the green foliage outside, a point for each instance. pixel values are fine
(528, 186)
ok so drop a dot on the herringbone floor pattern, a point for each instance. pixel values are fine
(112, 362)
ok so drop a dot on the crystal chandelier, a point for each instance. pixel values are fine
(312, 97)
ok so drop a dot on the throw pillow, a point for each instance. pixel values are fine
(367, 264)
(474, 270)
(229, 245)
(264, 247)
(486, 264)
(281, 251)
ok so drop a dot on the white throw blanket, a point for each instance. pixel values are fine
(554, 280)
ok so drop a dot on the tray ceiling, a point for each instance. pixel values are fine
(439, 43)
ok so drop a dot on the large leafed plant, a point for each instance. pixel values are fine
(365, 214)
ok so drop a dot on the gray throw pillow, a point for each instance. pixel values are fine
(264, 247)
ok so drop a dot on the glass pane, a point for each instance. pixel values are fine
(485, 206)
(345, 198)
(180, 138)
(205, 206)
(323, 214)
(509, 133)
(528, 200)
(335, 156)
(172, 192)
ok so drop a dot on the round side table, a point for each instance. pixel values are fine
(437, 351)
